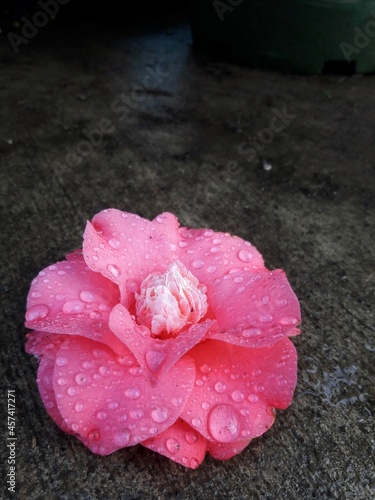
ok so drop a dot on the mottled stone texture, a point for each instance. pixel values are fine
(306, 200)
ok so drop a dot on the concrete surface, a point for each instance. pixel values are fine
(306, 200)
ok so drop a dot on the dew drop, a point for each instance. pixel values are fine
(265, 299)
(39, 311)
(266, 318)
(87, 296)
(182, 244)
(113, 405)
(177, 402)
(224, 423)
(81, 379)
(94, 435)
(251, 332)
(172, 445)
(197, 264)
(220, 387)
(237, 396)
(72, 390)
(253, 398)
(73, 307)
(105, 371)
(136, 414)
(114, 270)
(194, 463)
(61, 361)
(125, 360)
(114, 243)
(61, 381)
(238, 279)
(211, 269)
(196, 422)
(122, 438)
(159, 415)
(97, 353)
(205, 405)
(95, 258)
(289, 320)
(191, 437)
(132, 393)
(79, 406)
(154, 359)
(245, 255)
(205, 368)
(101, 415)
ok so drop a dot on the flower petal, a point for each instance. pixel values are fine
(125, 247)
(180, 443)
(44, 343)
(209, 254)
(254, 309)
(168, 224)
(47, 393)
(107, 402)
(69, 298)
(224, 451)
(155, 356)
(237, 389)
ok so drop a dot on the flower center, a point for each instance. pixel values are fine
(167, 302)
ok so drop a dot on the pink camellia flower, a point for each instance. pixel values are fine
(170, 337)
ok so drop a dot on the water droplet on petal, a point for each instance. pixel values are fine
(87, 296)
(136, 414)
(266, 318)
(237, 396)
(220, 387)
(81, 379)
(211, 269)
(172, 445)
(154, 359)
(122, 438)
(61, 361)
(177, 402)
(101, 415)
(94, 435)
(194, 463)
(95, 258)
(114, 270)
(125, 360)
(251, 332)
(197, 264)
(132, 393)
(39, 311)
(73, 307)
(72, 390)
(224, 423)
(196, 422)
(289, 320)
(114, 243)
(245, 255)
(79, 406)
(105, 371)
(253, 398)
(61, 381)
(205, 368)
(159, 415)
(191, 437)
(112, 405)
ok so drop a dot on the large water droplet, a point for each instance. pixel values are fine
(245, 255)
(224, 423)
(159, 415)
(114, 270)
(122, 438)
(73, 307)
(39, 311)
(154, 359)
(172, 445)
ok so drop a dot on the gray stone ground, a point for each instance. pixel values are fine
(306, 201)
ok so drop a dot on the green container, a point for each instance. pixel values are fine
(300, 36)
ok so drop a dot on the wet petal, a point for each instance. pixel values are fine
(47, 393)
(254, 309)
(125, 247)
(155, 356)
(210, 255)
(69, 298)
(180, 443)
(108, 403)
(237, 389)
(44, 343)
(168, 225)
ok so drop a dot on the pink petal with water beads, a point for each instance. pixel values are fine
(180, 443)
(69, 298)
(44, 343)
(107, 402)
(225, 451)
(155, 356)
(254, 309)
(124, 246)
(237, 389)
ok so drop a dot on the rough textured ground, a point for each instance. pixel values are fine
(306, 201)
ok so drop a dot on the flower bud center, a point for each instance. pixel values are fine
(167, 302)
